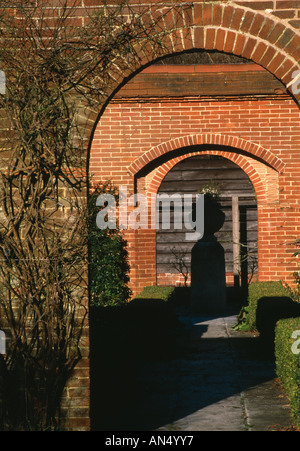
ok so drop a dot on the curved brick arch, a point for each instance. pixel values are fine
(252, 149)
(243, 32)
(255, 35)
(257, 176)
(239, 160)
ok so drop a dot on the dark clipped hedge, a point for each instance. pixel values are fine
(288, 362)
(164, 293)
(262, 290)
(175, 296)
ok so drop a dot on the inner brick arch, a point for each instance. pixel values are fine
(251, 149)
(197, 169)
(155, 178)
(264, 179)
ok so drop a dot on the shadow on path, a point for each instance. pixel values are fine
(221, 382)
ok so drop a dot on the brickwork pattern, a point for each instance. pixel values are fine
(131, 137)
(266, 32)
(256, 30)
(287, 10)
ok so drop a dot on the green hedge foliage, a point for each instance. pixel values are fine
(109, 267)
(156, 292)
(288, 362)
(258, 291)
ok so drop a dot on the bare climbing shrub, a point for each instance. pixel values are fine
(53, 66)
(180, 263)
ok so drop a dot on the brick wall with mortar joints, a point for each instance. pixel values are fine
(256, 17)
(229, 27)
(288, 12)
(224, 40)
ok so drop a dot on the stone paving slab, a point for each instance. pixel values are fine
(219, 385)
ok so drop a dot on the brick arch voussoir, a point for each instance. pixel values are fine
(238, 159)
(255, 35)
(252, 149)
(264, 53)
(237, 30)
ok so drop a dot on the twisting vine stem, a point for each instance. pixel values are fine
(52, 65)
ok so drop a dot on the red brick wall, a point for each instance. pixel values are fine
(287, 10)
(131, 129)
(128, 131)
(265, 36)
(125, 132)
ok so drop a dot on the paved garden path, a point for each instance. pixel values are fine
(219, 385)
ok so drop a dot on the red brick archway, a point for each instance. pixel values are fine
(244, 31)
(158, 180)
(268, 155)
(261, 166)
(239, 30)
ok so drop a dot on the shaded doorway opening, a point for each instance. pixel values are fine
(239, 234)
